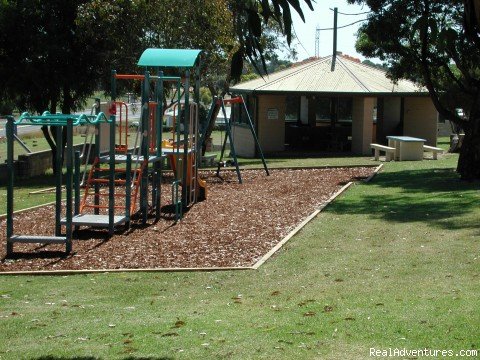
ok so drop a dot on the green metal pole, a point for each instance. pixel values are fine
(10, 169)
(111, 178)
(58, 180)
(186, 132)
(254, 134)
(178, 209)
(96, 199)
(228, 130)
(128, 189)
(159, 163)
(111, 175)
(76, 184)
(145, 145)
(68, 186)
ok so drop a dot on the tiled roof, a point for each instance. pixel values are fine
(316, 76)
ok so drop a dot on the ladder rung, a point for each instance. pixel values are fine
(106, 181)
(122, 170)
(106, 195)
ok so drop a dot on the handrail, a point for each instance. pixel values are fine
(62, 119)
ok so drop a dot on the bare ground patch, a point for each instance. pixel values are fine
(234, 227)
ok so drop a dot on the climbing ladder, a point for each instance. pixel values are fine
(97, 176)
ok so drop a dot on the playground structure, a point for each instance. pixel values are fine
(130, 171)
(218, 104)
(133, 172)
(72, 178)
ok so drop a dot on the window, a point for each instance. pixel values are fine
(345, 109)
(292, 109)
(322, 109)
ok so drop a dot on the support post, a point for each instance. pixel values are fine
(58, 180)
(159, 163)
(76, 184)
(145, 146)
(111, 178)
(334, 55)
(255, 138)
(128, 189)
(178, 209)
(10, 170)
(96, 187)
(68, 186)
(186, 130)
(228, 130)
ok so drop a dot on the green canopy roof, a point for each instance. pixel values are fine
(169, 57)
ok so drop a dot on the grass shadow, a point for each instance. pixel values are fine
(436, 196)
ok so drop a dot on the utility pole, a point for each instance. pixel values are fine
(334, 56)
(317, 42)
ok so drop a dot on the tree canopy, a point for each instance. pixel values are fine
(429, 44)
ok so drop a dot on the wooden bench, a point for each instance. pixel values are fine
(434, 150)
(389, 151)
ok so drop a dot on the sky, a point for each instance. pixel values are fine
(323, 18)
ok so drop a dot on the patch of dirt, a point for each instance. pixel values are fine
(235, 226)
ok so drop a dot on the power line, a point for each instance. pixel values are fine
(300, 41)
(343, 26)
(353, 14)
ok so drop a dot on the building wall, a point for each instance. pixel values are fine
(420, 119)
(391, 113)
(362, 125)
(243, 141)
(271, 131)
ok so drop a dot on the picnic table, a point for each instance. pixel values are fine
(406, 147)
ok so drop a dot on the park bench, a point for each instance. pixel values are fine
(389, 151)
(434, 150)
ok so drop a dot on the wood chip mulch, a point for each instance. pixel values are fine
(235, 227)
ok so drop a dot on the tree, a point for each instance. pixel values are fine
(249, 28)
(45, 64)
(53, 53)
(437, 44)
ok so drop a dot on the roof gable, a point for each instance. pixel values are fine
(316, 76)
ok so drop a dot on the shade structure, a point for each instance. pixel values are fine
(179, 58)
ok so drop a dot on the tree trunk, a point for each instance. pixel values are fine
(469, 161)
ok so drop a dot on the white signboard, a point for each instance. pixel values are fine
(272, 114)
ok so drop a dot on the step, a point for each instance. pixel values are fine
(103, 207)
(94, 220)
(120, 159)
(37, 239)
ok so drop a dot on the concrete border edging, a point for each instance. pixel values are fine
(375, 172)
(300, 227)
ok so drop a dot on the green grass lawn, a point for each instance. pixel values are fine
(394, 263)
